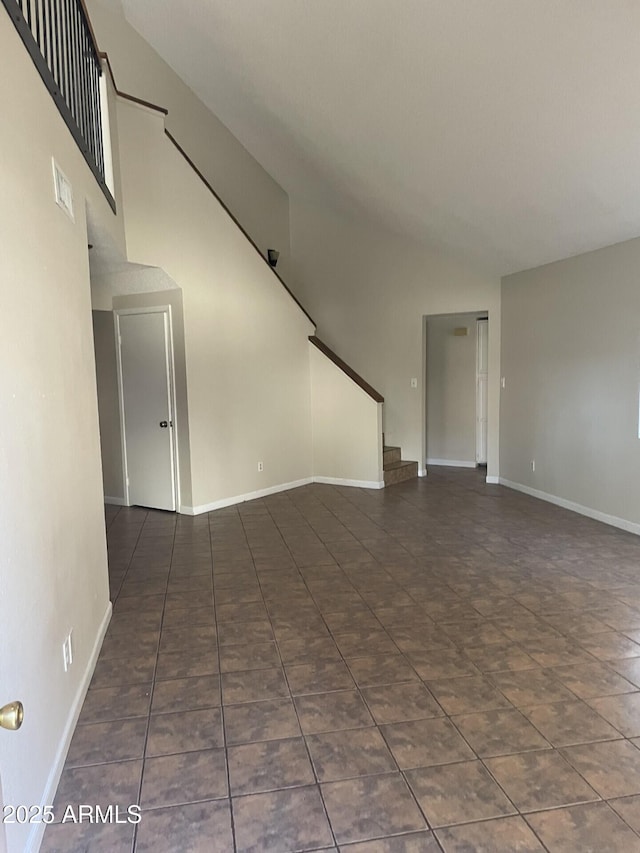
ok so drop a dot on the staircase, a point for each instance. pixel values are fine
(396, 469)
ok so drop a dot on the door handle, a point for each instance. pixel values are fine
(164, 424)
(11, 716)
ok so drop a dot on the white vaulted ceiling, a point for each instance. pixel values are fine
(508, 130)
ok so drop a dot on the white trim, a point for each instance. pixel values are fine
(422, 472)
(123, 440)
(358, 484)
(173, 398)
(238, 499)
(107, 150)
(114, 501)
(35, 836)
(613, 520)
(490, 478)
(272, 490)
(453, 463)
(482, 447)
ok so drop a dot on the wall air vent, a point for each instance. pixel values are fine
(64, 191)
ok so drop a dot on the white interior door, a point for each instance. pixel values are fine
(146, 387)
(482, 390)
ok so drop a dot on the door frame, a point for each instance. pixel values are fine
(479, 313)
(480, 320)
(152, 309)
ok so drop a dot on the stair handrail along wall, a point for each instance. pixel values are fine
(330, 448)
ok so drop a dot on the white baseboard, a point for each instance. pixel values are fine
(358, 484)
(422, 472)
(115, 501)
(613, 520)
(238, 499)
(272, 490)
(490, 478)
(452, 463)
(35, 836)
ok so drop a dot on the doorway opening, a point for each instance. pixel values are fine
(456, 350)
(132, 289)
(482, 389)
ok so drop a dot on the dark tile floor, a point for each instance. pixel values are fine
(442, 665)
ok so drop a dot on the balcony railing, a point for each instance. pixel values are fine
(58, 36)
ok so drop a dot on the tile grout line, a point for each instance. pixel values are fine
(153, 686)
(291, 697)
(422, 561)
(375, 726)
(222, 703)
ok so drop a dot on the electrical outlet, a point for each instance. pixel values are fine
(260, 466)
(67, 651)
(533, 464)
(414, 383)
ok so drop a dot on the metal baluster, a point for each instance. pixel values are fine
(86, 105)
(100, 143)
(36, 16)
(95, 101)
(99, 118)
(86, 66)
(58, 36)
(84, 101)
(75, 63)
(66, 46)
(67, 56)
(57, 29)
(45, 34)
(49, 38)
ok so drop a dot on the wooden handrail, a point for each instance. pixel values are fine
(235, 220)
(344, 367)
(104, 56)
(92, 34)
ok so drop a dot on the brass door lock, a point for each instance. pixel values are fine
(11, 716)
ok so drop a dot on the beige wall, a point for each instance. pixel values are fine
(451, 389)
(259, 203)
(571, 356)
(108, 405)
(346, 426)
(53, 562)
(368, 289)
(247, 366)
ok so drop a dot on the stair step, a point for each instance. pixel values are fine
(398, 472)
(390, 454)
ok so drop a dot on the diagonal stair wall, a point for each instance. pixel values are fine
(246, 349)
